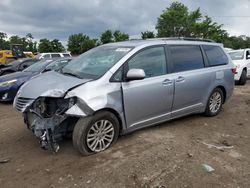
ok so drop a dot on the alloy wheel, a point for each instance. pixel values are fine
(100, 135)
(215, 102)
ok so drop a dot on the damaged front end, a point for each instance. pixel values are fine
(47, 119)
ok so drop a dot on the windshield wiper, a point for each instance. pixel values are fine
(70, 74)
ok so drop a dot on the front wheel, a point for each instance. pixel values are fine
(214, 103)
(95, 133)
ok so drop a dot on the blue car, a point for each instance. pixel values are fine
(9, 84)
(16, 66)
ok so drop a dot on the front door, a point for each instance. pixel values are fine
(148, 101)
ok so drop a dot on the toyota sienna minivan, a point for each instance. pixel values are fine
(121, 87)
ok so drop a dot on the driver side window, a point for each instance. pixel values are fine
(151, 60)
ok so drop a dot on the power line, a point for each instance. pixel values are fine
(230, 16)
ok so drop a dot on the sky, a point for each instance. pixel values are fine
(61, 18)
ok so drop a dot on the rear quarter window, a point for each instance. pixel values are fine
(215, 55)
(66, 55)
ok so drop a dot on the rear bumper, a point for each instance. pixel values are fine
(238, 74)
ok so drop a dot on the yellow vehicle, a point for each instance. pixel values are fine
(6, 56)
(29, 54)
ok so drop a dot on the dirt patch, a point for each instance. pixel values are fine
(167, 155)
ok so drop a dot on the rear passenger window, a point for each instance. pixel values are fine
(66, 55)
(55, 55)
(151, 60)
(215, 55)
(186, 57)
(46, 56)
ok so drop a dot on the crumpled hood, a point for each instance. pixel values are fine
(49, 84)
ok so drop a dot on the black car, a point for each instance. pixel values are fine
(18, 65)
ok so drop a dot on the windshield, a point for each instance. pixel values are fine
(237, 55)
(95, 62)
(37, 67)
(58, 64)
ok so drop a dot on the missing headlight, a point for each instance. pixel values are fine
(48, 106)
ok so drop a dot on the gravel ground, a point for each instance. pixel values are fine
(167, 155)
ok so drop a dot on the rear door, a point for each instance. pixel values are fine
(191, 79)
(148, 101)
(55, 55)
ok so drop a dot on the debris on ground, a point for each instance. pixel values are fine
(225, 143)
(219, 147)
(4, 161)
(207, 168)
(190, 155)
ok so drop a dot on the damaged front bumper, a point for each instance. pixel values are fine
(50, 119)
(48, 130)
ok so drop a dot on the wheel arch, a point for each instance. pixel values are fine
(117, 115)
(224, 92)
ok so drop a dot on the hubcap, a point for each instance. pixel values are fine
(215, 102)
(100, 135)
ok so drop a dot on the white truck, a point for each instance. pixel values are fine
(241, 60)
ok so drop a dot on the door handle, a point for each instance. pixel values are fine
(167, 82)
(180, 79)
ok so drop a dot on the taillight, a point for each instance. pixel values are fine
(234, 71)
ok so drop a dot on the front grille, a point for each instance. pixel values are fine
(22, 103)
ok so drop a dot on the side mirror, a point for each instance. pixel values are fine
(248, 56)
(135, 74)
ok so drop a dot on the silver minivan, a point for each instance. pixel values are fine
(117, 88)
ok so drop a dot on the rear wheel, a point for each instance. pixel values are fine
(243, 77)
(95, 133)
(214, 103)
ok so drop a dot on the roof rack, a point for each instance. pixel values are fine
(183, 38)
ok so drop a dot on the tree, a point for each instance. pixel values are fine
(44, 46)
(237, 42)
(57, 46)
(106, 37)
(4, 44)
(80, 43)
(209, 29)
(176, 21)
(147, 35)
(35, 47)
(120, 36)
(116, 36)
(30, 44)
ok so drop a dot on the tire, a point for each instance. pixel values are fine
(243, 77)
(86, 127)
(210, 111)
